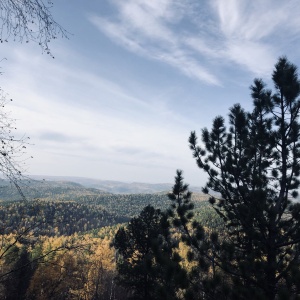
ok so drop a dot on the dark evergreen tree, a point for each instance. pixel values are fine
(254, 169)
(17, 282)
(205, 279)
(148, 267)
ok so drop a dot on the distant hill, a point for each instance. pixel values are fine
(76, 204)
(116, 187)
(125, 204)
(40, 189)
(55, 217)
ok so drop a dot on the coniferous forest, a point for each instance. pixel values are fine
(53, 241)
(238, 239)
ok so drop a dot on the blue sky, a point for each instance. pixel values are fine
(135, 77)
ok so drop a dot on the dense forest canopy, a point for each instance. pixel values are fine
(55, 230)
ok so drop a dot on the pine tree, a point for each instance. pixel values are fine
(148, 267)
(253, 169)
(205, 279)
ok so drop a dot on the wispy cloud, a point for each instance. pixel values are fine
(76, 114)
(241, 32)
(93, 112)
(251, 30)
(256, 20)
(148, 29)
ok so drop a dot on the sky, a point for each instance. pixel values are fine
(135, 77)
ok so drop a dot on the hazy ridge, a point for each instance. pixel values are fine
(115, 187)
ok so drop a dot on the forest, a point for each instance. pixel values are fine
(59, 245)
(238, 239)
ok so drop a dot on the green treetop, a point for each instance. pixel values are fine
(253, 165)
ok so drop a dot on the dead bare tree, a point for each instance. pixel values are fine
(29, 20)
(12, 148)
(22, 21)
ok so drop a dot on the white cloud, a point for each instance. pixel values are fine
(256, 57)
(188, 65)
(251, 30)
(77, 114)
(256, 20)
(88, 111)
(147, 29)
(208, 49)
(243, 32)
(147, 20)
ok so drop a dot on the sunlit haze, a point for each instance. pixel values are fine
(122, 94)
